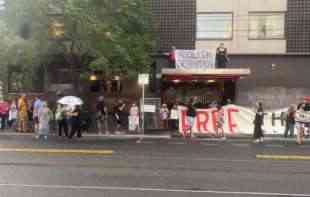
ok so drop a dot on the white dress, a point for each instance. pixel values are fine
(133, 118)
(44, 116)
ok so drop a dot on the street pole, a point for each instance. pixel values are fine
(143, 80)
(142, 109)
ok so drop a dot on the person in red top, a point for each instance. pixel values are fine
(172, 57)
(4, 112)
(290, 121)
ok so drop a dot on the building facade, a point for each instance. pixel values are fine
(271, 37)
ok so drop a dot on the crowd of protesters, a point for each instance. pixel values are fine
(34, 115)
(296, 118)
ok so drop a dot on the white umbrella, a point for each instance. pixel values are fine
(70, 100)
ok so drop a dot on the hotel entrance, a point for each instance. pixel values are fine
(208, 85)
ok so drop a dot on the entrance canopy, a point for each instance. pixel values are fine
(204, 74)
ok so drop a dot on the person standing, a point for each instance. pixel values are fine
(172, 57)
(164, 115)
(174, 117)
(118, 115)
(12, 114)
(301, 123)
(191, 115)
(76, 122)
(221, 56)
(22, 114)
(220, 119)
(44, 117)
(258, 122)
(4, 113)
(134, 118)
(290, 121)
(61, 120)
(102, 116)
(37, 104)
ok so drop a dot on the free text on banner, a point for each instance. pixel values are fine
(238, 120)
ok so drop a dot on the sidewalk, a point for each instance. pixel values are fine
(159, 136)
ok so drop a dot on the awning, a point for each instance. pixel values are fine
(204, 74)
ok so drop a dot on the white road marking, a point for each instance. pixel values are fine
(142, 189)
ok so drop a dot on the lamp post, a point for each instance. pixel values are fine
(143, 80)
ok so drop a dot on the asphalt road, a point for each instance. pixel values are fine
(174, 168)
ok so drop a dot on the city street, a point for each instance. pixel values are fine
(150, 167)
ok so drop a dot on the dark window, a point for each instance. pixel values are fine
(266, 25)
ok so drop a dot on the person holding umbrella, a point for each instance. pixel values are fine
(75, 113)
(76, 122)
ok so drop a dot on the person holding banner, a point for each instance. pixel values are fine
(191, 114)
(172, 57)
(302, 120)
(220, 117)
(258, 122)
(221, 56)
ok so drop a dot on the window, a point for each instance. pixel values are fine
(214, 26)
(266, 25)
(2, 5)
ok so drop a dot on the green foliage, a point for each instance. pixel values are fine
(114, 35)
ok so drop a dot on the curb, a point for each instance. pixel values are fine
(98, 136)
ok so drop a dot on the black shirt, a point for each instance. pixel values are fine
(76, 117)
(100, 108)
(191, 111)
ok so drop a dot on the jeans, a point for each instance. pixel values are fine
(289, 127)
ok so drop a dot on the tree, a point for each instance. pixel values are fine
(112, 36)
(117, 34)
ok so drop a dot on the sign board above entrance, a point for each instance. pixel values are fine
(189, 59)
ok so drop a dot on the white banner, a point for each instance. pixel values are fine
(188, 59)
(237, 120)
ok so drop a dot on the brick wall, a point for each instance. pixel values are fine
(174, 23)
(298, 26)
